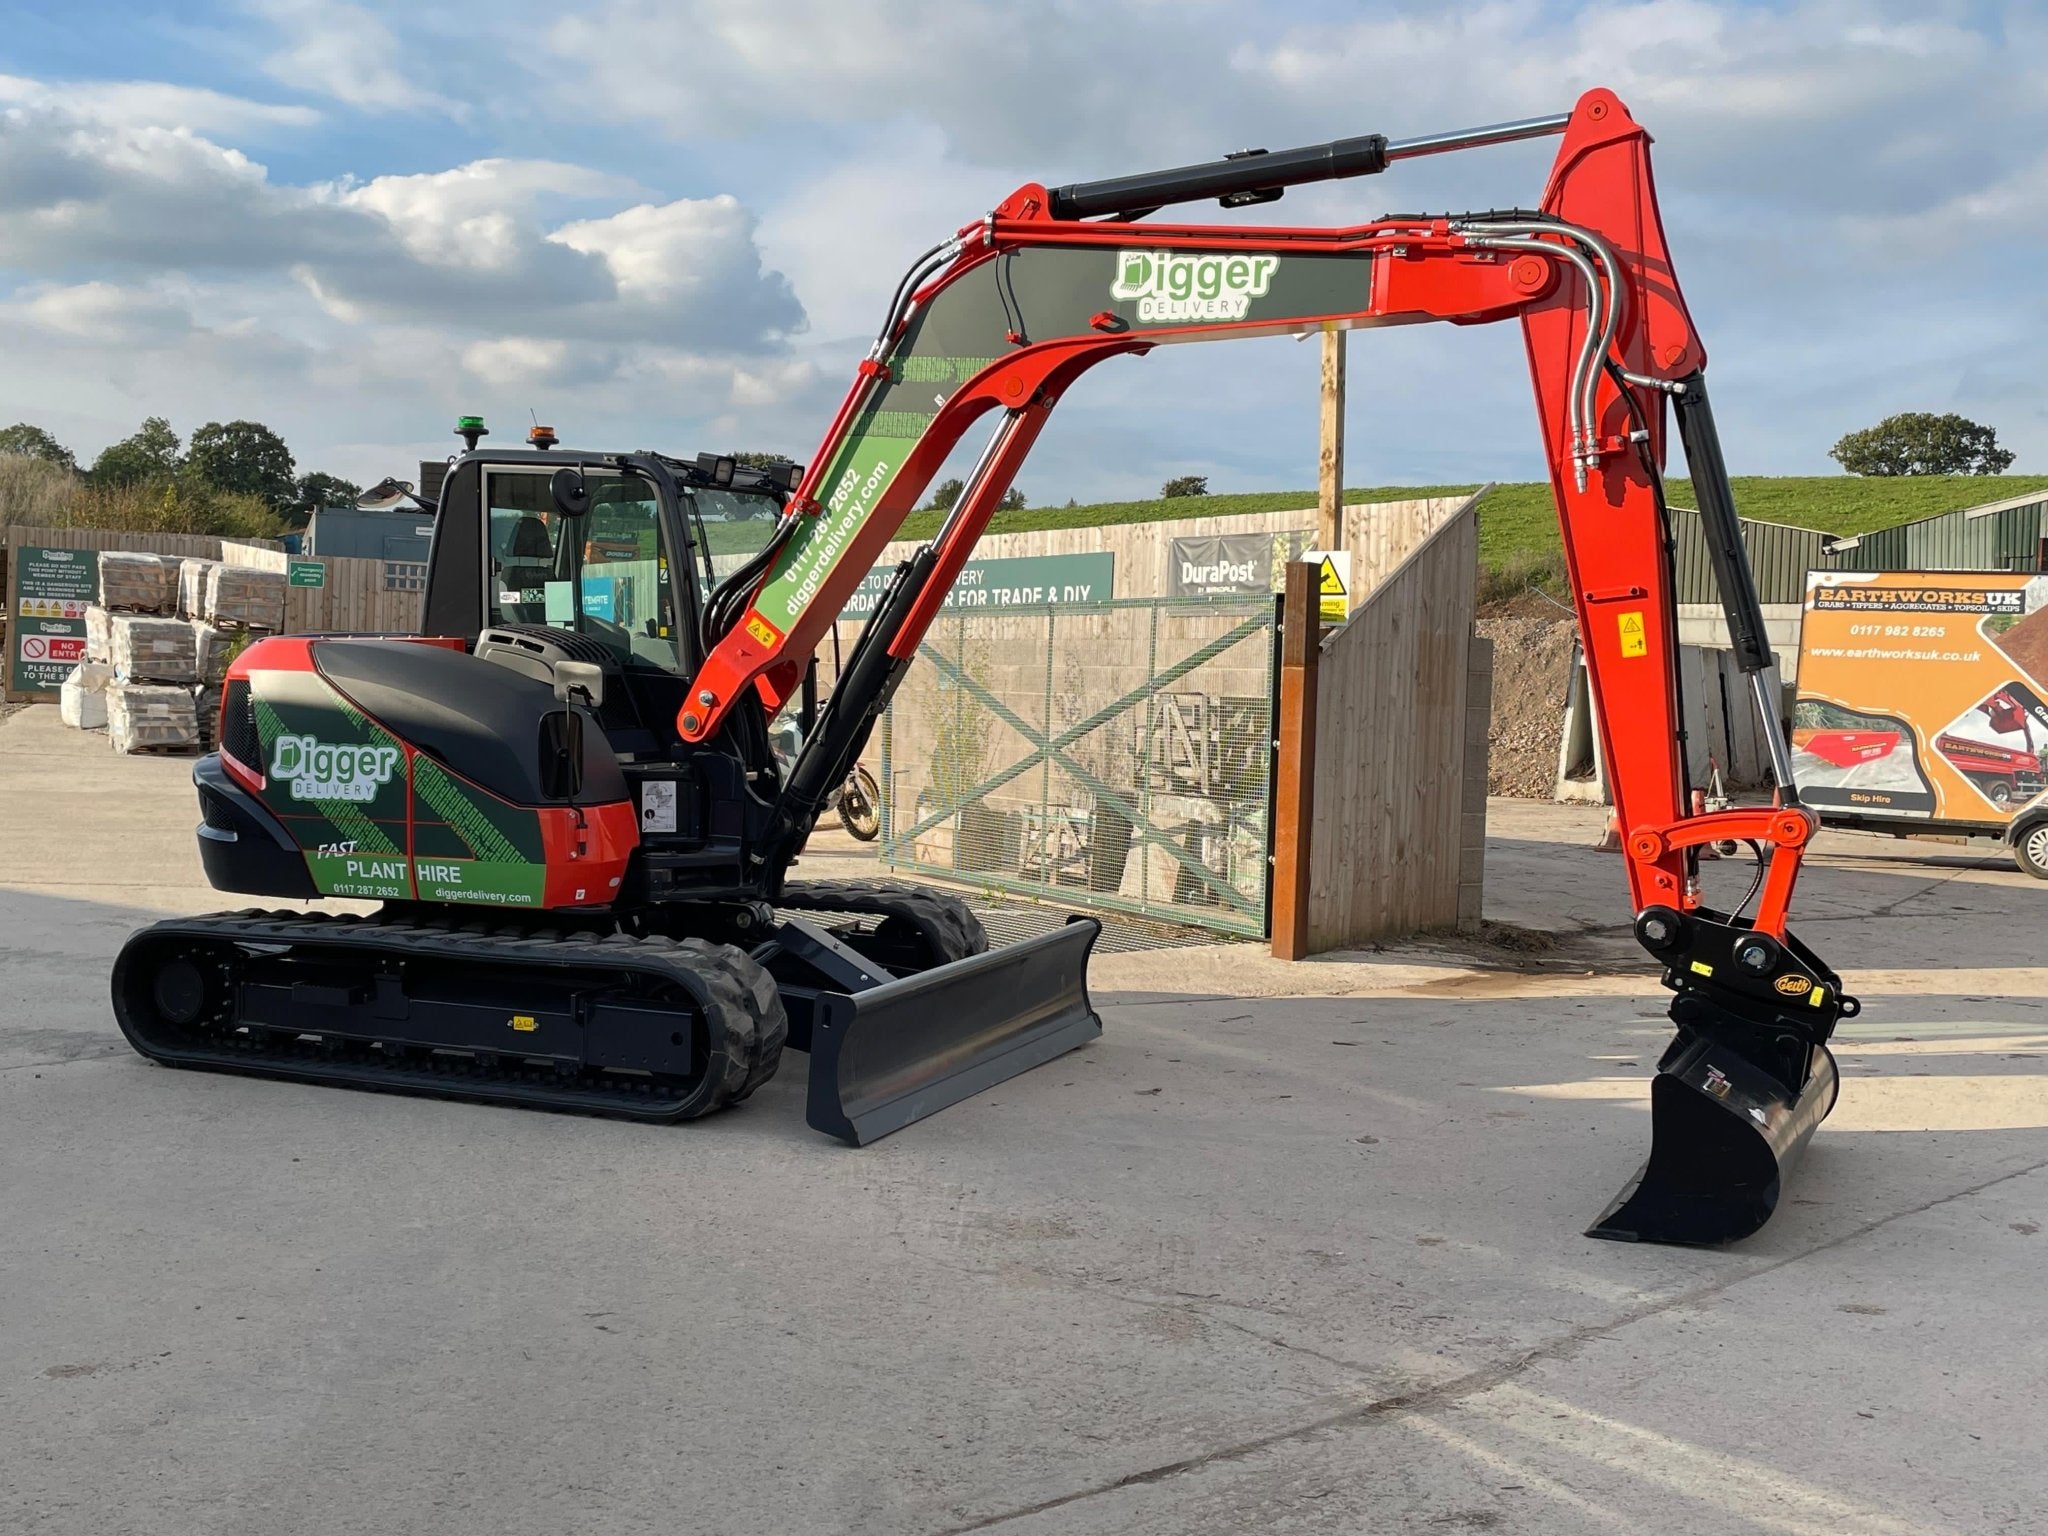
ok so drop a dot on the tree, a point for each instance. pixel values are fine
(322, 490)
(34, 494)
(26, 442)
(945, 494)
(1013, 500)
(150, 455)
(761, 460)
(1186, 485)
(246, 457)
(1920, 443)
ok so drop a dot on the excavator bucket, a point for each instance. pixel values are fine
(1724, 1134)
(893, 1054)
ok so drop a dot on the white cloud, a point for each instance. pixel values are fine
(331, 48)
(515, 359)
(478, 245)
(140, 103)
(168, 268)
(481, 215)
(657, 255)
(106, 312)
(1081, 76)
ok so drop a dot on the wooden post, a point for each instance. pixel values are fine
(1330, 461)
(1295, 743)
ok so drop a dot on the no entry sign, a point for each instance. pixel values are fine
(50, 591)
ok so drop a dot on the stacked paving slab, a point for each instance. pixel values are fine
(158, 644)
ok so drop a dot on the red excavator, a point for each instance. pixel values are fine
(565, 796)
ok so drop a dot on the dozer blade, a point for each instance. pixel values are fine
(1723, 1136)
(886, 1057)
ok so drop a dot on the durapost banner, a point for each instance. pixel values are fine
(1923, 695)
(1220, 565)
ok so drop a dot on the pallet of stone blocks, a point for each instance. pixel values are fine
(132, 581)
(193, 575)
(152, 650)
(151, 717)
(211, 647)
(242, 597)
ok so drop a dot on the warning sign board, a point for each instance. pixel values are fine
(1333, 582)
(49, 591)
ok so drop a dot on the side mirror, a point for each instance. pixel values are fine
(571, 495)
(584, 679)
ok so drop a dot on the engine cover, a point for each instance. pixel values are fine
(411, 772)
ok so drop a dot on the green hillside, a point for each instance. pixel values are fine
(1518, 526)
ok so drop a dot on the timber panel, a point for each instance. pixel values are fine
(1391, 838)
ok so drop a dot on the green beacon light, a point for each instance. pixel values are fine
(469, 429)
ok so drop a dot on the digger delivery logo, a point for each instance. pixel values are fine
(1191, 285)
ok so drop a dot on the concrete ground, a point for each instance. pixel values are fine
(1290, 1249)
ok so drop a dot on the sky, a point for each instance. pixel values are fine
(674, 224)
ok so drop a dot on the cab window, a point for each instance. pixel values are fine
(731, 527)
(604, 575)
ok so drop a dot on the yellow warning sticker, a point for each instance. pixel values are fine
(1702, 968)
(1333, 582)
(525, 1023)
(1816, 997)
(1634, 642)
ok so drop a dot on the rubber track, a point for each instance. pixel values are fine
(947, 923)
(742, 1008)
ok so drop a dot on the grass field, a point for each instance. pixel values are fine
(1518, 525)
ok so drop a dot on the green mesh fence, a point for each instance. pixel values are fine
(1112, 756)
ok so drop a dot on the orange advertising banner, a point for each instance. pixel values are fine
(1921, 694)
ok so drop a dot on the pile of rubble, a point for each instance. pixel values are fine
(158, 644)
(1532, 662)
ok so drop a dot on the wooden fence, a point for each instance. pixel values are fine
(205, 546)
(1397, 833)
(356, 599)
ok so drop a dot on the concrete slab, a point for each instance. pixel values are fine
(1304, 1262)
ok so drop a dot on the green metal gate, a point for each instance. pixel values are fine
(1110, 755)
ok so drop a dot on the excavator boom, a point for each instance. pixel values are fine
(1004, 316)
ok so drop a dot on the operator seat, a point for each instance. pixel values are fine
(529, 562)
